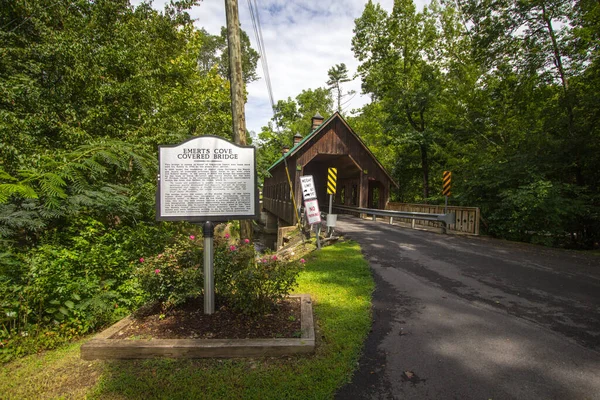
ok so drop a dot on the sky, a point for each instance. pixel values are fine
(303, 39)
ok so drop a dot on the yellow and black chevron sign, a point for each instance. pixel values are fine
(331, 180)
(446, 183)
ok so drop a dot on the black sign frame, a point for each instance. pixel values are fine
(203, 218)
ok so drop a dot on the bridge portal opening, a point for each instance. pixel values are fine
(348, 177)
(349, 185)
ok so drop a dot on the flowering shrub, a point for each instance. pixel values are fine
(174, 275)
(245, 283)
(248, 284)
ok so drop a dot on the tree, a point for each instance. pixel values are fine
(534, 109)
(213, 53)
(338, 74)
(88, 90)
(404, 65)
(535, 39)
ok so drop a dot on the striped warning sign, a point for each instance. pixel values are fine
(446, 183)
(331, 180)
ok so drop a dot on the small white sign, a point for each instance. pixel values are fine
(308, 187)
(313, 214)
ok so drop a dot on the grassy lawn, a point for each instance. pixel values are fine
(340, 284)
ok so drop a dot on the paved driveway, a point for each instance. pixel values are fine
(474, 318)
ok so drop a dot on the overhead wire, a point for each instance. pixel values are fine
(256, 25)
(255, 17)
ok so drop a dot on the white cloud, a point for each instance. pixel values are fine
(302, 38)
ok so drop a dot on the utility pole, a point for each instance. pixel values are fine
(237, 88)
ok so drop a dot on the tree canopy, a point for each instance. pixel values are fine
(500, 93)
(88, 90)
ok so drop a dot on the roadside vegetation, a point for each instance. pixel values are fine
(90, 89)
(341, 293)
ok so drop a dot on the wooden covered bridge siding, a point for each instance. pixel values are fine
(361, 181)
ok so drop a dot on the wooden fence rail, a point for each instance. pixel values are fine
(467, 218)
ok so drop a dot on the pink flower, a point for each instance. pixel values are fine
(264, 260)
(192, 237)
(274, 258)
(246, 241)
(227, 236)
(232, 248)
(160, 255)
(302, 261)
(157, 271)
(142, 260)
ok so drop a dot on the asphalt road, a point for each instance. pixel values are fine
(460, 317)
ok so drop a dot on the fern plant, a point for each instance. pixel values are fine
(99, 177)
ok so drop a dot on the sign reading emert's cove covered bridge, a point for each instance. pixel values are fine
(206, 178)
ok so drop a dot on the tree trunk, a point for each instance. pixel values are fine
(425, 168)
(559, 66)
(237, 89)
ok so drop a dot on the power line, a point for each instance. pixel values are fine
(256, 25)
(263, 59)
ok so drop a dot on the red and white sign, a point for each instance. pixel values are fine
(313, 214)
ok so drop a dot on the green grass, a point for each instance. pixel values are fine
(340, 283)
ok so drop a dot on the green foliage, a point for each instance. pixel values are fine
(88, 90)
(246, 283)
(410, 62)
(507, 101)
(72, 284)
(291, 117)
(341, 294)
(540, 212)
(337, 75)
(174, 275)
(251, 285)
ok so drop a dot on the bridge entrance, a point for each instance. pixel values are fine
(362, 181)
(348, 177)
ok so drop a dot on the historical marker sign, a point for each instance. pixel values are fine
(206, 178)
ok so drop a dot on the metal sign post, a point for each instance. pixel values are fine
(209, 282)
(313, 216)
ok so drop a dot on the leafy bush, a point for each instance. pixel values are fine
(80, 279)
(174, 275)
(252, 285)
(247, 284)
(541, 212)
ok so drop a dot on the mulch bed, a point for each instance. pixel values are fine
(189, 322)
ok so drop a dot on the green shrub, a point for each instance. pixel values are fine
(541, 212)
(173, 276)
(247, 284)
(79, 279)
(252, 285)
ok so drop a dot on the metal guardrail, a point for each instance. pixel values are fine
(445, 219)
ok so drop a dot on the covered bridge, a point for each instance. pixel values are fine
(361, 181)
